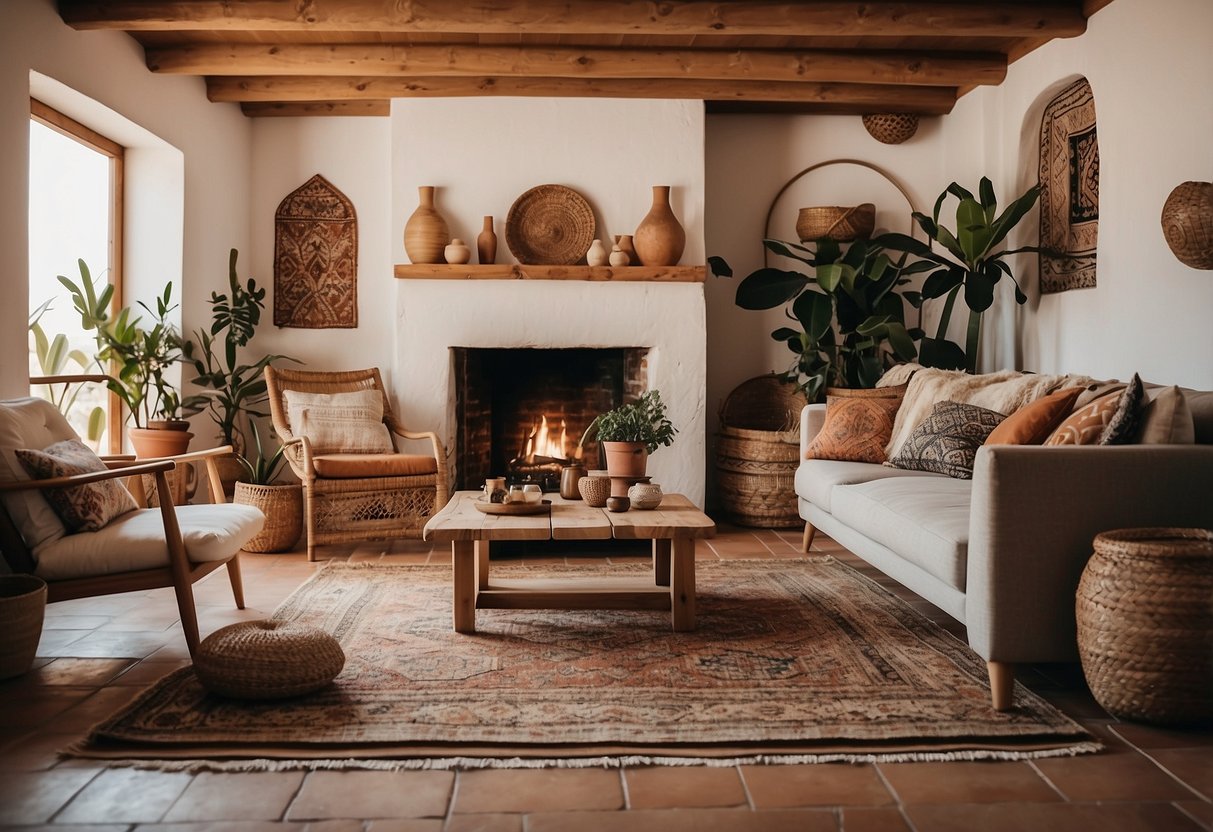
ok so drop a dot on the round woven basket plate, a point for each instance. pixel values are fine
(549, 225)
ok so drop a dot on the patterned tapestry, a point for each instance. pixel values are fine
(316, 258)
(1069, 199)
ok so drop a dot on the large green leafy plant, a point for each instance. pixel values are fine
(971, 262)
(260, 468)
(53, 354)
(849, 316)
(644, 420)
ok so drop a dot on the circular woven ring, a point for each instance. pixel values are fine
(549, 225)
(267, 660)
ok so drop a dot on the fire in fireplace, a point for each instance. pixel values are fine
(546, 451)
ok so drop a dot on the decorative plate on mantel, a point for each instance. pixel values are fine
(549, 225)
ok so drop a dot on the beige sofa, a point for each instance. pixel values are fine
(1002, 553)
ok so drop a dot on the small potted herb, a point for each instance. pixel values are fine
(282, 504)
(628, 434)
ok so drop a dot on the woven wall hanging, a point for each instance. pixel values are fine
(1069, 199)
(316, 258)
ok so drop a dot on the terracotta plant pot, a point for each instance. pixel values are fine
(626, 459)
(426, 233)
(660, 238)
(149, 443)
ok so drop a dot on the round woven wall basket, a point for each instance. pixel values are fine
(1187, 223)
(1145, 624)
(22, 607)
(282, 506)
(835, 222)
(757, 453)
(891, 128)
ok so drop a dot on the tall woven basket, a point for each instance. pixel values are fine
(22, 608)
(757, 453)
(282, 506)
(1145, 624)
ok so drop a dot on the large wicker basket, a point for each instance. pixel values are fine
(757, 453)
(1145, 624)
(282, 506)
(22, 608)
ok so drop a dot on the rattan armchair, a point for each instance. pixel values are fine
(342, 509)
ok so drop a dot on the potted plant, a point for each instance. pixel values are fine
(282, 504)
(628, 434)
(52, 354)
(850, 317)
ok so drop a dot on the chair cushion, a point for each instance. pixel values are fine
(82, 508)
(816, 478)
(30, 423)
(355, 466)
(136, 541)
(337, 423)
(925, 520)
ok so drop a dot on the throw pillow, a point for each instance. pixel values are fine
(1122, 427)
(947, 440)
(1087, 425)
(1034, 423)
(1167, 420)
(82, 508)
(350, 423)
(858, 424)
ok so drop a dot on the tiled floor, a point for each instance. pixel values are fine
(97, 654)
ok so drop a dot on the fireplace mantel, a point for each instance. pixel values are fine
(517, 271)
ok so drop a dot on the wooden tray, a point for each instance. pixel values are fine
(514, 509)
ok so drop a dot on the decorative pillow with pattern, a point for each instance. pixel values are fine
(858, 424)
(947, 441)
(340, 423)
(82, 508)
(1122, 427)
(1103, 421)
(1032, 424)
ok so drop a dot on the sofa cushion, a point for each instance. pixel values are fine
(816, 478)
(354, 466)
(947, 441)
(858, 424)
(923, 519)
(1033, 423)
(1166, 419)
(1108, 420)
(82, 508)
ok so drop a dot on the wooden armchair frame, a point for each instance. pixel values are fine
(367, 508)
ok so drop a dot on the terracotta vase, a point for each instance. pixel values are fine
(624, 241)
(660, 238)
(486, 243)
(597, 255)
(626, 459)
(457, 252)
(426, 233)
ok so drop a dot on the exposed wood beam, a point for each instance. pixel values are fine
(557, 17)
(870, 67)
(258, 109)
(871, 97)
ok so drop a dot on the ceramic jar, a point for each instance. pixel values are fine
(486, 243)
(660, 238)
(645, 495)
(426, 233)
(457, 252)
(619, 257)
(624, 241)
(570, 477)
(597, 255)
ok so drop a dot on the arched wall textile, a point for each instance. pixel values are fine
(1069, 200)
(316, 258)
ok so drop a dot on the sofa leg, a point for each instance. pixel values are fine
(809, 534)
(1002, 684)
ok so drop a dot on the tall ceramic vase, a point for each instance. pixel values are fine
(426, 233)
(660, 238)
(486, 243)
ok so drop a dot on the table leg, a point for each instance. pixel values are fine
(482, 564)
(463, 555)
(661, 562)
(682, 584)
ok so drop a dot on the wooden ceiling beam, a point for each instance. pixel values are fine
(860, 66)
(868, 97)
(370, 107)
(787, 18)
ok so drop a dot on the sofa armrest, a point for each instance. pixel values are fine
(1035, 511)
(811, 419)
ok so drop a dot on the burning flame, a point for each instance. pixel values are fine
(545, 441)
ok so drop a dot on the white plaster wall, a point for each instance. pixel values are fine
(482, 154)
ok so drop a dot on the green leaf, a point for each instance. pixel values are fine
(96, 424)
(989, 203)
(829, 276)
(790, 250)
(972, 232)
(1014, 213)
(940, 282)
(785, 333)
(979, 291)
(957, 191)
(719, 267)
(56, 356)
(901, 342)
(873, 325)
(769, 288)
(941, 353)
(815, 313)
(910, 245)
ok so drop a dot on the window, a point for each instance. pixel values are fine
(75, 213)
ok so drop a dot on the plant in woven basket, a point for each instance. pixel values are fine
(260, 469)
(850, 317)
(282, 504)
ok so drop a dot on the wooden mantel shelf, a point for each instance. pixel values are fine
(516, 271)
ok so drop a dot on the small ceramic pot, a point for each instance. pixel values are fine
(619, 257)
(570, 478)
(457, 253)
(618, 504)
(597, 255)
(645, 495)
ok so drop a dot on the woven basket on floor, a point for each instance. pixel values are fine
(267, 660)
(1145, 624)
(282, 506)
(891, 128)
(757, 453)
(22, 607)
(836, 222)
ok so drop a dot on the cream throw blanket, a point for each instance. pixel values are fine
(1005, 392)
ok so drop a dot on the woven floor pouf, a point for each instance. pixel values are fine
(267, 660)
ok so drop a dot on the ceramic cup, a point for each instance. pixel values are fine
(532, 493)
(515, 495)
(494, 489)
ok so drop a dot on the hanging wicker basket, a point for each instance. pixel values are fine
(22, 608)
(835, 222)
(891, 128)
(1187, 223)
(1144, 611)
(282, 506)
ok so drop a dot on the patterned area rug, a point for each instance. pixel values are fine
(792, 661)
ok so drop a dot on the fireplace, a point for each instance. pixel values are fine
(520, 412)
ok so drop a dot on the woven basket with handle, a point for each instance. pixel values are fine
(835, 222)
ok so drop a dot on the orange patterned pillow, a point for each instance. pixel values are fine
(1033, 423)
(858, 424)
(1109, 420)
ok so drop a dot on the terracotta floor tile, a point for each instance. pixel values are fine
(1193, 766)
(683, 787)
(1109, 777)
(1151, 736)
(258, 795)
(99, 644)
(334, 826)
(865, 819)
(35, 798)
(538, 790)
(84, 827)
(54, 642)
(147, 671)
(50, 702)
(965, 782)
(35, 752)
(1051, 817)
(84, 672)
(686, 820)
(216, 826)
(73, 622)
(1198, 809)
(484, 823)
(776, 787)
(372, 794)
(409, 825)
(104, 703)
(127, 795)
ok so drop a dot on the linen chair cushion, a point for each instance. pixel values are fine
(30, 423)
(337, 423)
(356, 466)
(86, 507)
(136, 541)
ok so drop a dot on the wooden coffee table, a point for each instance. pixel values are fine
(673, 527)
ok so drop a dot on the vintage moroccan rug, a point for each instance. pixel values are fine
(792, 661)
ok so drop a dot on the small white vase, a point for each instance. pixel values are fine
(645, 495)
(597, 255)
(457, 253)
(619, 257)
